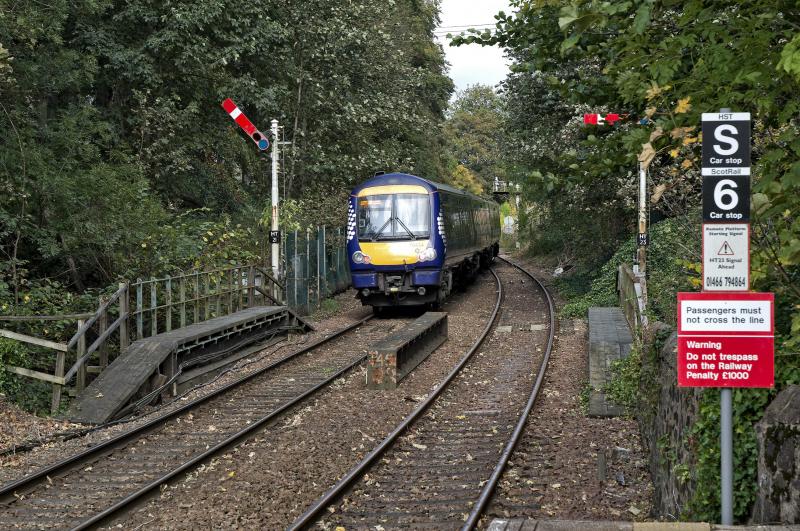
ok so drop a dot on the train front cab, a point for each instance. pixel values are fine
(394, 246)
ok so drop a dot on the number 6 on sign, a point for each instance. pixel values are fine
(725, 195)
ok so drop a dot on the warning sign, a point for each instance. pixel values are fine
(726, 340)
(726, 257)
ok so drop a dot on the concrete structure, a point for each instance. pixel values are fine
(609, 340)
(393, 357)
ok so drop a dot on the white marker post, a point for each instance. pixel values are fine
(275, 235)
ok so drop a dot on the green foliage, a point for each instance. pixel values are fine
(115, 129)
(474, 139)
(623, 389)
(672, 245)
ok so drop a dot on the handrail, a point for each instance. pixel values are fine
(100, 310)
(64, 317)
(33, 340)
(267, 295)
(96, 345)
(270, 277)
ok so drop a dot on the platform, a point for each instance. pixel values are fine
(525, 524)
(609, 340)
(150, 362)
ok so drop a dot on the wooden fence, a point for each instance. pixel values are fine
(142, 309)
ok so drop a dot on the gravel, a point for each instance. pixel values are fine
(268, 481)
(567, 465)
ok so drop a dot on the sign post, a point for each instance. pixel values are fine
(726, 333)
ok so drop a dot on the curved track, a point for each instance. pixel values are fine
(87, 488)
(439, 467)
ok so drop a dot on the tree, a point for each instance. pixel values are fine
(474, 138)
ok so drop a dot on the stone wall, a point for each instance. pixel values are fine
(666, 414)
(779, 460)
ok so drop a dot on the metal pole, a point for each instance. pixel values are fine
(726, 453)
(276, 248)
(642, 250)
(726, 445)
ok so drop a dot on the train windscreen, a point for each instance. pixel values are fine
(393, 217)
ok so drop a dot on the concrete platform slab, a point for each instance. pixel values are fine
(610, 340)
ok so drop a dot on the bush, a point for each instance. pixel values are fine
(671, 266)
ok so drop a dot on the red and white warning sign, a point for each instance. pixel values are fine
(726, 339)
(726, 256)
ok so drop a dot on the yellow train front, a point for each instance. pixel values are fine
(410, 240)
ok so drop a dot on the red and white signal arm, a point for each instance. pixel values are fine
(598, 119)
(247, 126)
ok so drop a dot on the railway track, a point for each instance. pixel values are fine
(439, 467)
(88, 488)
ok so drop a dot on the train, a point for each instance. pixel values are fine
(411, 241)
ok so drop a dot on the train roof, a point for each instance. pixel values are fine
(406, 178)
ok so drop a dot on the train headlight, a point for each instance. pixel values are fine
(360, 258)
(427, 255)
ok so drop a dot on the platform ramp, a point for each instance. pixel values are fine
(609, 340)
(150, 362)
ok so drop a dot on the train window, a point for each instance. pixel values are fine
(395, 217)
(412, 212)
(374, 213)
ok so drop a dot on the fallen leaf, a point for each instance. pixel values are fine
(657, 193)
(647, 155)
(634, 511)
(655, 135)
(419, 446)
(556, 485)
(683, 105)
(674, 153)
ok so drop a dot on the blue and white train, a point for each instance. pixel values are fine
(410, 240)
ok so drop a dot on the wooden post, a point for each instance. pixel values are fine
(294, 269)
(103, 350)
(230, 291)
(239, 296)
(207, 296)
(196, 296)
(139, 310)
(153, 307)
(251, 282)
(124, 308)
(218, 282)
(168, 302)
(81, 375)
(183, 300)
(56, 402)
(319, 273)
